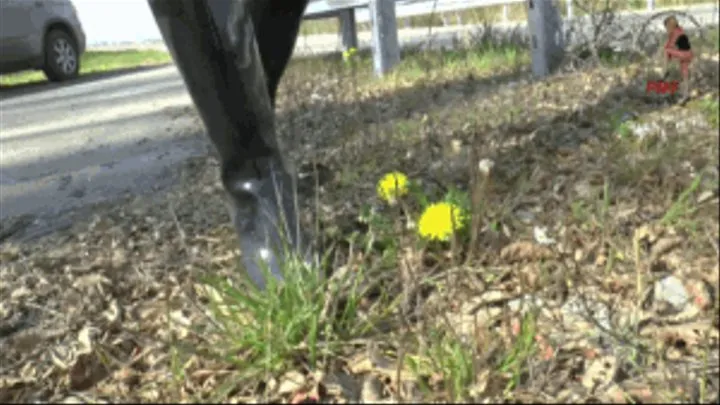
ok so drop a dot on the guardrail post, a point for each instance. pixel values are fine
(348, 29)
(651, 5)
(569, 9)
(546, 36)
(385, 46)
(506, 12)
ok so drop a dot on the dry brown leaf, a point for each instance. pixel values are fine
(690, 333)
(525, 251)
(640, 391)
(91, 280)
(360, 364)
(20, 292)
(530, 276)
(379, 364)
(481, 383)
(600, 374)
(291, 382)
(72, 400)
(180, 323)
(664, 246)
(648, 233)
(113, 312)
(85, 340)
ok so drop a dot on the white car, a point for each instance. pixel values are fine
(41, 34)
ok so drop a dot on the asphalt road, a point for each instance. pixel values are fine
(62, 147)
(75, 145)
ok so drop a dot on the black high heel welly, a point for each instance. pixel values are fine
(231, 55)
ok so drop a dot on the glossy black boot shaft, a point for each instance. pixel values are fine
(220, 56)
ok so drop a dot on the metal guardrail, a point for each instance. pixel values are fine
(322, 8)
(386, 48)
(408, 8)
(403, 8)
(383, 14)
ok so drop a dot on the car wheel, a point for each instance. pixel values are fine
(62, 61)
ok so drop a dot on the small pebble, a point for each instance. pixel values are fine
(672, 291)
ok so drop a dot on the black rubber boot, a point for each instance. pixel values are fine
(221, 58)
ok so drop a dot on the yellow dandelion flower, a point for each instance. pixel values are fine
(392, 186)
(440, 220)
(348, 54)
